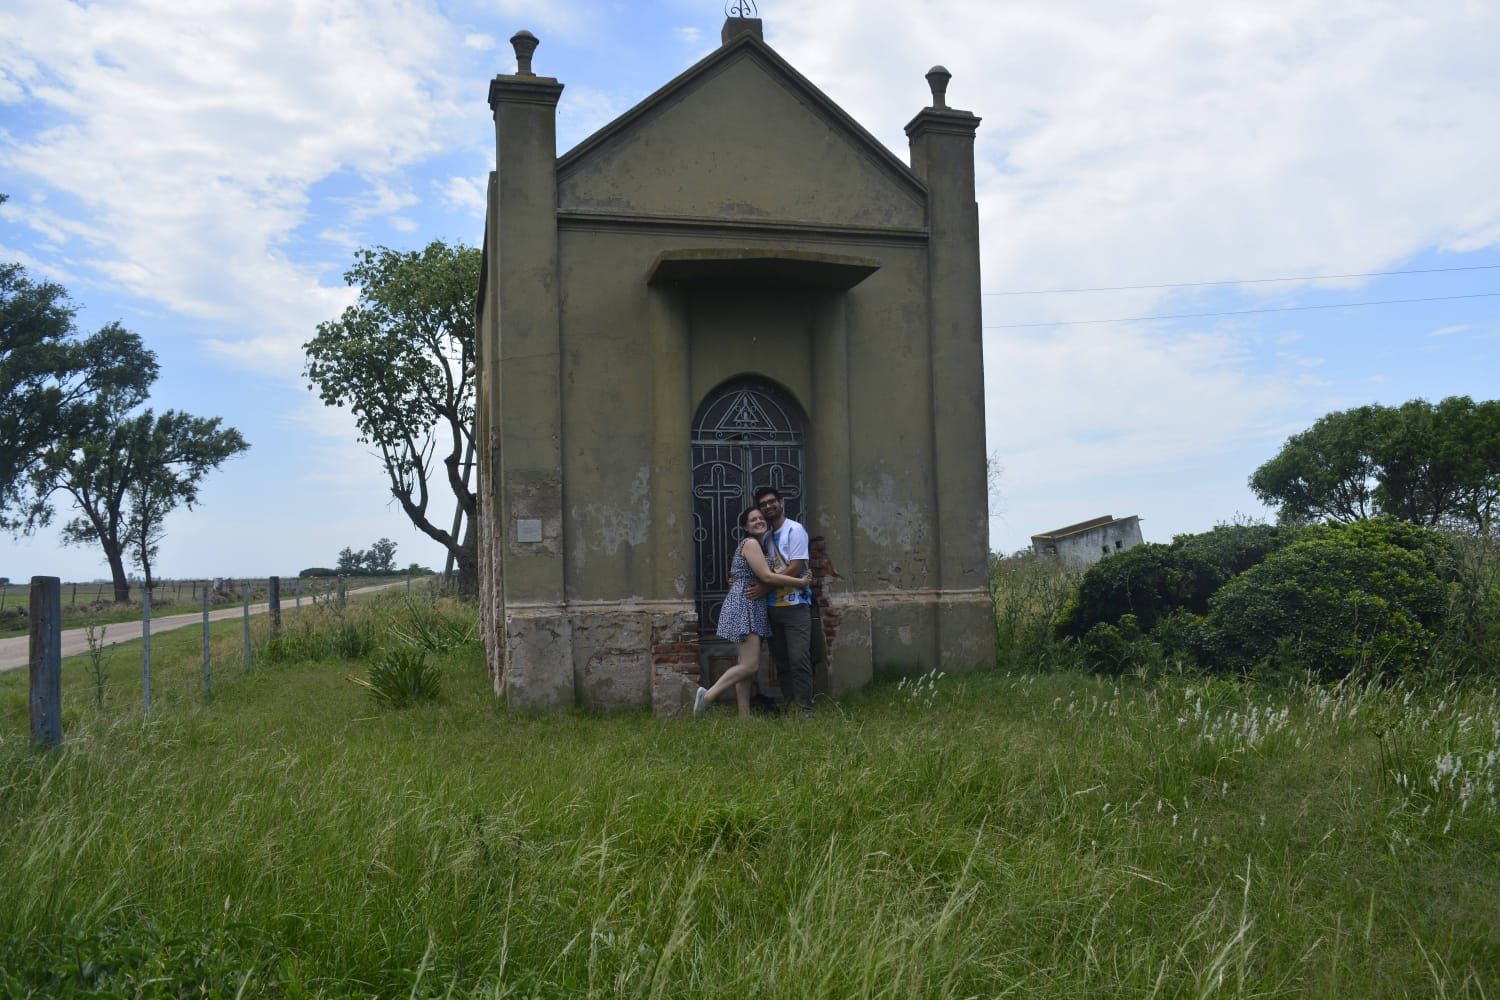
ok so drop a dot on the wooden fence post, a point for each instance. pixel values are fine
(245, 590)
(342, 596)
(146, 646)
(46, 661)
(273, 602)
(207, 674)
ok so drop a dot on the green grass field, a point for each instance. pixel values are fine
(1042, 834)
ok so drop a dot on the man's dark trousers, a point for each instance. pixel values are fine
(791, 652)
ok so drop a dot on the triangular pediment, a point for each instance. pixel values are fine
(741, 136)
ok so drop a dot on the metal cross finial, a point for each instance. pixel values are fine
(741, 8)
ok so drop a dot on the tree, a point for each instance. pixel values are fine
(71, 426)
(378, 558)
(47, 375)
(174, 454)
(1434, 465)
(125, 473)
(402, 360)
(381, 557)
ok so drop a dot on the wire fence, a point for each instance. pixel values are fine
(216, 602)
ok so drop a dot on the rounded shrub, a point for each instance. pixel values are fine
(1144, 581)
(1345, 597)
(1153, 581)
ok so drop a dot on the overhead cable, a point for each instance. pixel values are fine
(1249, 281)
(1240, 312)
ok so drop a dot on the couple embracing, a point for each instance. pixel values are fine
(769, 598)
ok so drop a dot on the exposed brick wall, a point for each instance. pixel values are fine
(823, 571)
(674, 643)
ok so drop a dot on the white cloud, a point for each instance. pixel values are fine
(194, 137)
(688, 34)
(1172, 141)
(1128, 143)
(465, 193)
(1449, 330)
(1134, 401)
(479, 42)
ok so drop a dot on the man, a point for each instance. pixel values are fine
(789, 608)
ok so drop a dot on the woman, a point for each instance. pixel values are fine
(743, 619)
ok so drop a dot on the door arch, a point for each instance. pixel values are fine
(748, 432)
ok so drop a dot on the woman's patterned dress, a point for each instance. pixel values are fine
(741, 615)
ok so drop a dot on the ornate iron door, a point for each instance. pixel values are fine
(747, 434)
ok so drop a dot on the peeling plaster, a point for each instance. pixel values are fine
(608, 527)
(884, 520)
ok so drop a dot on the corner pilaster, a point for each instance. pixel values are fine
(522, 292)
(942, 154)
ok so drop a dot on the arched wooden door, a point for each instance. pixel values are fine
(748, 433)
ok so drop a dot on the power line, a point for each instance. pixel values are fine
(1250, 281)
(1241, 312)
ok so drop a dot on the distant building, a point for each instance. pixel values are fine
(1087, 542)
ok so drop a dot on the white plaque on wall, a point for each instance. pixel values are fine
(528, 529)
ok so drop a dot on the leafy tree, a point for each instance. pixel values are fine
(381, 557)
(378, 558)
(1327, 471)
(402, 360)
(70, 426)
(47, 375)
(125, 473)
(174, 454)
(1434, 465)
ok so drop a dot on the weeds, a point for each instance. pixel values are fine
(401, 677)
(436, 626)
(98, 660)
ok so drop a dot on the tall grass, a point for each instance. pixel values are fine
(1002, 834)
(1029, 592)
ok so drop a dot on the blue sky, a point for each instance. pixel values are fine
(203, 171)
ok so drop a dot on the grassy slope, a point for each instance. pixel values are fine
(1035, 834)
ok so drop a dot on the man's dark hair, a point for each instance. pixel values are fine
(766, 491)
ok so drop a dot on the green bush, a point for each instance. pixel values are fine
(352, 639)
(1118, 648)
(1152, 581)
(1362, 596)
(401, 677)
(1143, 581)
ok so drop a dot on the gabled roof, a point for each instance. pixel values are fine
(1083, 526)
(743, 45)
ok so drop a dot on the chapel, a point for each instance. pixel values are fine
(731, 285)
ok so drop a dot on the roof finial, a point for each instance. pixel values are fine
(741, 8)
(525, 43)
(937, 79)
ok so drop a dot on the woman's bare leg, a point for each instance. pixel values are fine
(746, 668)
(742, 692)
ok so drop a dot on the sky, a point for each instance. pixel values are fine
(203, 172)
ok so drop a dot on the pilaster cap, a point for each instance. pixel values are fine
(940, 118)
(943, 121)
(523, 86)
